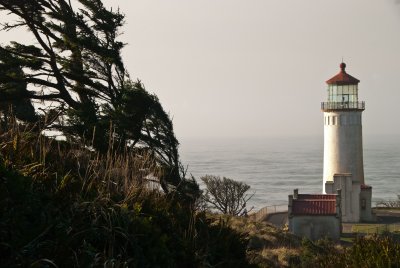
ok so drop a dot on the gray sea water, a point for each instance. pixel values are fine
(273, 167)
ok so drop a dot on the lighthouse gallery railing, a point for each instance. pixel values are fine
(359, 105)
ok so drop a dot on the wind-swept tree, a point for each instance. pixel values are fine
(75, 69)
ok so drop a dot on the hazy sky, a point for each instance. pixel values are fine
(258, 67)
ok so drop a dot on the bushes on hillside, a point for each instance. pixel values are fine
(63, 205)
(374, 251)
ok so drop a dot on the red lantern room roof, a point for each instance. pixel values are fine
(343, 78)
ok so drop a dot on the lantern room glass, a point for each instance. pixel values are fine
(342, 93)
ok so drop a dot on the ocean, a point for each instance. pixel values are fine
(273, 167)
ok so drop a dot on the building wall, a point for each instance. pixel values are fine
(366, 213)
(350, 196)
(315, 227)
(343, 151)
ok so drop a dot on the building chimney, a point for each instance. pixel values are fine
(295, 193)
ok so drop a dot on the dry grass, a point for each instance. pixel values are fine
(283, 256)
(267, 246)
(66, 164)
(64, 205)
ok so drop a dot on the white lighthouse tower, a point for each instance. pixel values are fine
(343, 150)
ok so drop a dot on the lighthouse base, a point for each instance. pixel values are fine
(355, 198)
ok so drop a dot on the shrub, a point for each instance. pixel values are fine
(226, 195)
(389, 203)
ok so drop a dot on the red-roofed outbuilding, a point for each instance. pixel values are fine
(315, 216)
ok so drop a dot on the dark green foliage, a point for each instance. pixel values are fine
(75, 68)
(13, 84)
(375, 251)
(224, 247)
(91, 201)
(314, 253)
(62, 205)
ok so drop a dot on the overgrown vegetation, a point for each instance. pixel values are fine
(226, 195)
(272, 247)
(114, 194)
(373, 251)
(62, 205)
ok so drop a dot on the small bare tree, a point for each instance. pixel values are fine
(390, 203)
(226, 195)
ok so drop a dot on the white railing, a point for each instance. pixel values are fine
(263, 212)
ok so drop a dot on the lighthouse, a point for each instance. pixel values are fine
(343, 147)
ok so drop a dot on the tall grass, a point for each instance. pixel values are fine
(64, 205)
(43, 158)
(365, 252)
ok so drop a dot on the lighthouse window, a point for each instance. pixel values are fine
(355, 94)
(345, 89)
(333, 120)
(334, 93)
(339, 90)
(351, 89)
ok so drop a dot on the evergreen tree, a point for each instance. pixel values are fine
(75, 68)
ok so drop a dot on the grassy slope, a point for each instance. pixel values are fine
(273, 247)
(62, 205)
(267, 246)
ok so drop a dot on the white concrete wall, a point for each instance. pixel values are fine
(315, 227)
(343, 150)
